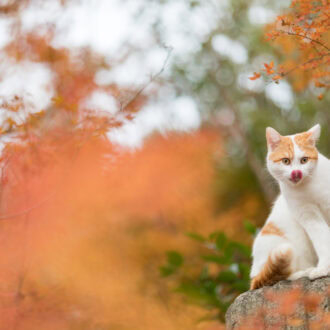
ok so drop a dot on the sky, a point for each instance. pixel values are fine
(108, 26)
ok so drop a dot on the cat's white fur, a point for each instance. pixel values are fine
(301, 212)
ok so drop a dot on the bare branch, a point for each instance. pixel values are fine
(27, 210)
(152, 78)
(238, 132)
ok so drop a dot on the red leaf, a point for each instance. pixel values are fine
(256, 75)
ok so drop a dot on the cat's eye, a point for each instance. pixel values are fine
(303, 160)
(286, 161)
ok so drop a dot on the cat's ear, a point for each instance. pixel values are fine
(273, 138)
(315, 133)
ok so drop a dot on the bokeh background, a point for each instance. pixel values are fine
(130, 132)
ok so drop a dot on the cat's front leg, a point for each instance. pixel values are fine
(318, 231)
(319, 271)
(301, 273)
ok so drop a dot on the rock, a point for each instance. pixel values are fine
(296, 305)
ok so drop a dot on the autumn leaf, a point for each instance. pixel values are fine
(303, 42)
(277, 77)
(269, 68)
(318, 84)
(255, 76)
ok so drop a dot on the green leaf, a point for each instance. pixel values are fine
(196, 237)
(228, 254)
(236, 250)
(227, 276)
(220, 241)
(241, 286)
(221, 260)
(166, 271)
(197, 293)
(250, 227)
(241, 248)
(213, 258)
(204, 273)
(214, 235)
(244, 271)
(174, 258)
(209, 286)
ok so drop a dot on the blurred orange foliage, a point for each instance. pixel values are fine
(83, 225)
(83, 228)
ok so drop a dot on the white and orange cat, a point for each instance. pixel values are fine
(295, 240)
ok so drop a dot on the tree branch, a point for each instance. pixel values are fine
(307, 62)
(239, 134)
(152, 78)
(27, 210)
(305, 37)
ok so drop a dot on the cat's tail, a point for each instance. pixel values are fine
(276, 268)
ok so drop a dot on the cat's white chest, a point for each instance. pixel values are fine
(323, 204)
(313, 199)
(319, 194)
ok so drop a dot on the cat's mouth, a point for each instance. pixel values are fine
(295, 180)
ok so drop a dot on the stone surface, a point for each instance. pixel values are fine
(296, 305)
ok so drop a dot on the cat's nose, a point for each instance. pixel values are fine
(296, 175)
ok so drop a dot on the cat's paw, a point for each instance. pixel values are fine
(319, 272)
(300, 274)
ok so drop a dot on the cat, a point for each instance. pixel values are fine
(295, 240)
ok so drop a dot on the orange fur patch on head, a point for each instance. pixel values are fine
(306, 144)
(284, 149)
(271, 229)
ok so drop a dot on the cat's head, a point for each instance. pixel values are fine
(291, 159)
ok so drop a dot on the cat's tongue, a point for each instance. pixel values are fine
(296, 176)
